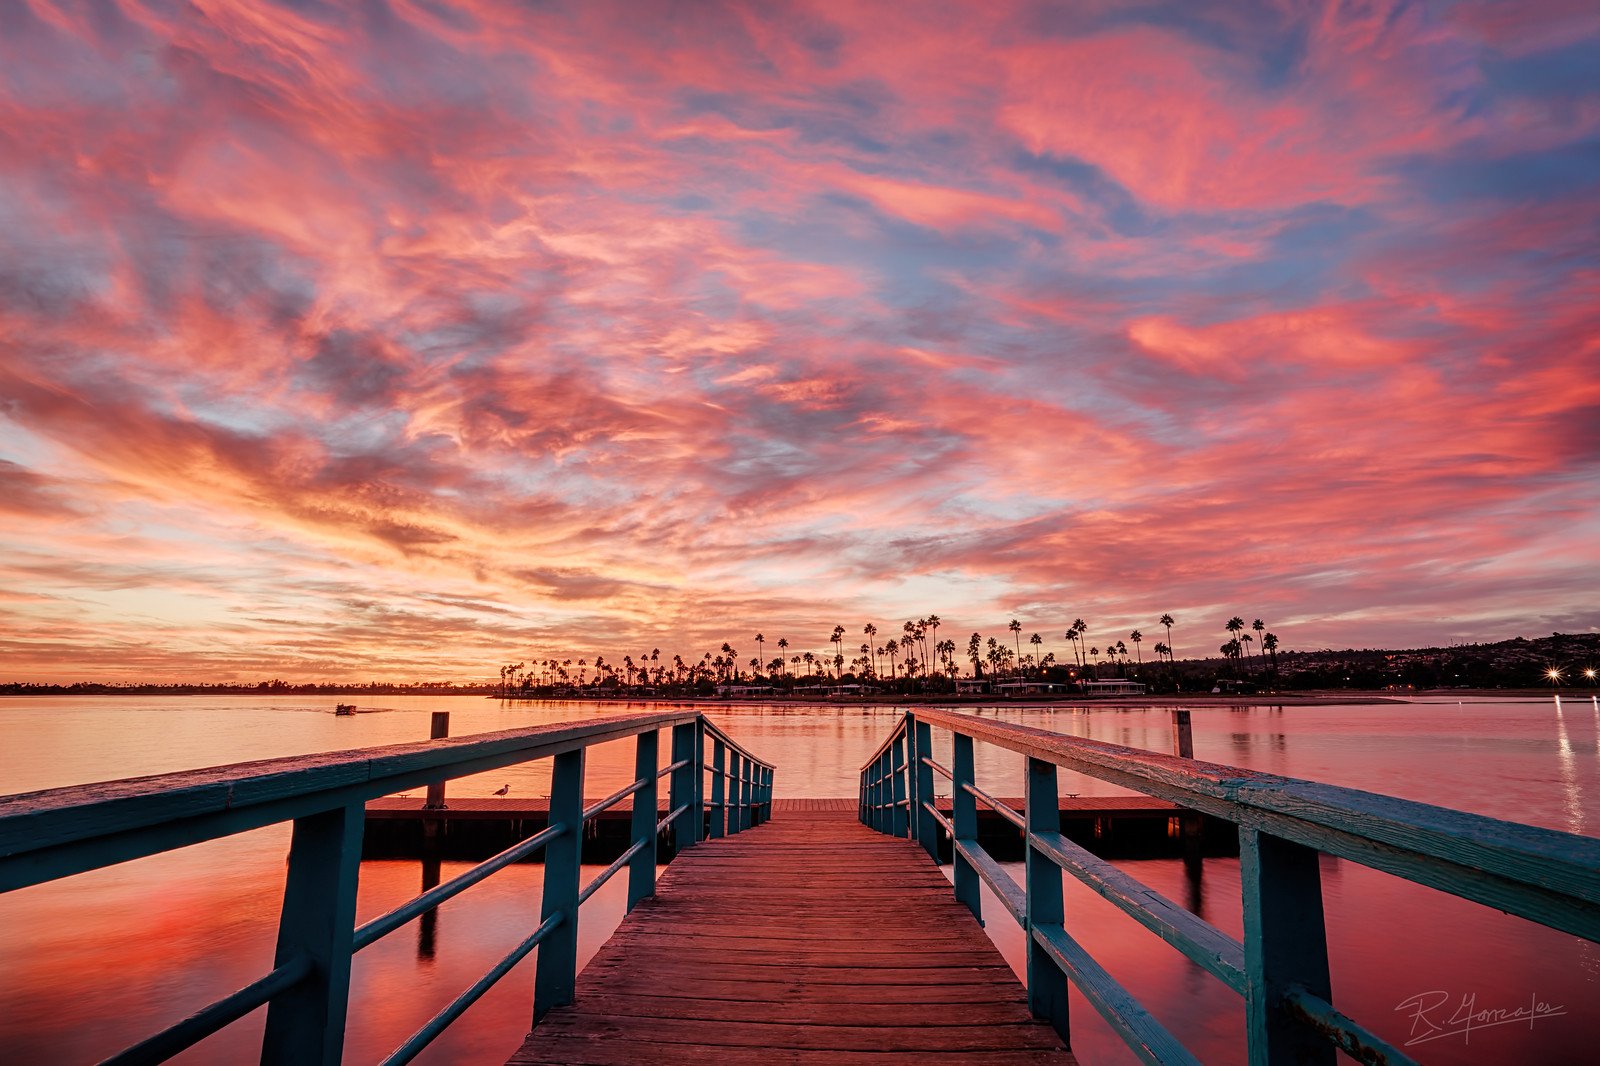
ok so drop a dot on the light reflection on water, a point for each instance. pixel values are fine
(90, 964)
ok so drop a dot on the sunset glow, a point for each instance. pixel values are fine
(400, 340)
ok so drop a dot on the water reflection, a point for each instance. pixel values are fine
(92, 963)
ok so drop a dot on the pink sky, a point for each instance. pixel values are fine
(404, 339)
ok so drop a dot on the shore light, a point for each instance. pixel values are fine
(1553, 674)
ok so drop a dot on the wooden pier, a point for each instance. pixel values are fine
(808, 939)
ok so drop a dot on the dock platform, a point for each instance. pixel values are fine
(808, 939)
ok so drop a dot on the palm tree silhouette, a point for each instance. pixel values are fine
(1137, 637)
(761, 645)
(1172, 667)
(1036, 640)
(870, 631)
(1016, 632)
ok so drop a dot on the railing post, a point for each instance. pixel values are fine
(861, 798)
(700, 778)
(642, 867)
(927, 828)
(913, 823)
(964, 818)
(734, 773)
(719, 788)
(1285, 944)
(686, 830)
(1047, 985)
(880, 775)
(898, 823)
(306, 1023)
(556, 972)
(746, 782)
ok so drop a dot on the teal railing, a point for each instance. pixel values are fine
(60, 832)
(1281, 966)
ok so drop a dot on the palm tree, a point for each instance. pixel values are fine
(1136, 637)
(933, 627)
(1172, 667)
(1248, 640)
(838, 643)
(1072, 635)
(1269, 644)
(1016, 632)
(891, 649)
(974, 642)
(783, 646)
(1095, 654)
(1037, 641)
(761, 644)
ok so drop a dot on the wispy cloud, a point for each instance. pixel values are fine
(337, 341)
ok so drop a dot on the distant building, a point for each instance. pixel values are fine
(727, 690)
(1113, 686)
(971, 686)
(1030, 688)
(842, 691)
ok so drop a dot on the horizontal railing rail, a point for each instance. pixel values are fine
(59, 832)
(1281, 965)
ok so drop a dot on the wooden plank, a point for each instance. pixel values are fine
(806, 939)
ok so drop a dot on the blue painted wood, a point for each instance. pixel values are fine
(306, 1023)
(913, 817)
(682, 792)
(964, 818)
(1047, 982)
(1207, 946)
(1344, 1033)
(1541, 874)
(642, 826)
(719, 785)
(201, 1024)
(1285, 946)
(59, 832)
(735, 790)
(899, 822)
(699, 759)
(383, 925)
(927, 829)
(1145, 1036)
(458, 1006)
(556, 969)
(746, 793)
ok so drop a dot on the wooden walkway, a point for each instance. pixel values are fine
(805, 940)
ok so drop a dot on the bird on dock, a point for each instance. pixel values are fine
(503, 790)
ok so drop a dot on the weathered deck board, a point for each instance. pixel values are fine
(810, 939)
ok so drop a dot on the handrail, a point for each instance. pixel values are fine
(1280, 968)
(59, 832)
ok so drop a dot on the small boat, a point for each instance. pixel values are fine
(344, 708)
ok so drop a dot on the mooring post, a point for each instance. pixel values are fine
(556, 971)
(1190, 821)
(1182, 734)
(306, 1023)
(439, 730)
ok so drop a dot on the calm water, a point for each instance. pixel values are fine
(93, 963)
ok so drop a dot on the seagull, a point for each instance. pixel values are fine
(503, 790)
